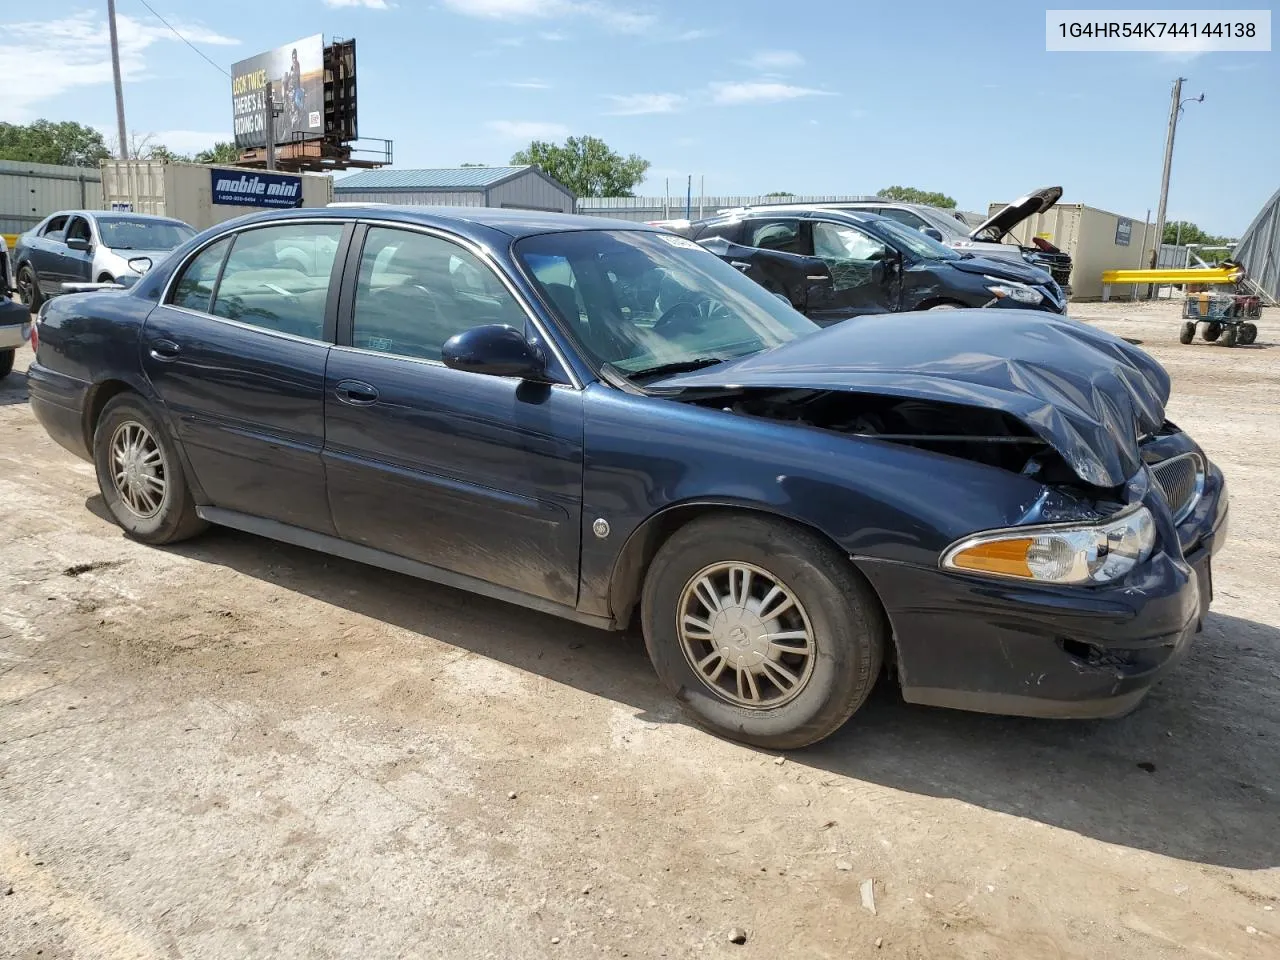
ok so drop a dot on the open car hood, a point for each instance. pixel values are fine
(995, 227)
(1087, 394)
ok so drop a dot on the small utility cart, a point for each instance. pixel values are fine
(1228, 319)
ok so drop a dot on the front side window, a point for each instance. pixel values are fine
(642, 301)
(55, 227)
(194, 288)
(123, 233)
(851, 255)
(783, 235)
(277, 278)
(79, 229)
(415, 291)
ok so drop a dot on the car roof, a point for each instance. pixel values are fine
(94, 214)
(857, 216)
(474, 220)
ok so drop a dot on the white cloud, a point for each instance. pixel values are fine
(54, 56)
(527, 129)
(509, 42)
(761, 91)
(370, 4)
(767, 60)
(526, 84)
(689, 35)
(624, 21)
(632, 104)
(554, 36)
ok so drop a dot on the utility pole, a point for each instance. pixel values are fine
(269, 124)
(1175, 108)
(115, 73)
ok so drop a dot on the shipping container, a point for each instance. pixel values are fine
(29, 192)
(203, 194)
(1096, 239)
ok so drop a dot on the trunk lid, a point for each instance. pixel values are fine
(1089, 395)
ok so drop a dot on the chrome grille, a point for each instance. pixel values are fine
(1181, 480)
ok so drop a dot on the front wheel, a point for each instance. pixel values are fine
(140, 475)
(762, 630)
(1188, 332)
(1212, 331)
(106, 278)
(1248, 333)
(28, 288)
(946, 306)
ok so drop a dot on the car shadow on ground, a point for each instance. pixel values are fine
(13, 388)
(1192, 773)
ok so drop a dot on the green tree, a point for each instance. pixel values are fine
(220, 152)
(43, 141)
(930, 198)
(780, 193)
(586, 166)
(1183, 231)
(473, 164)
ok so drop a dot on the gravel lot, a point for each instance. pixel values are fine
(233, 748)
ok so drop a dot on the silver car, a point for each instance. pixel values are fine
(91, 246)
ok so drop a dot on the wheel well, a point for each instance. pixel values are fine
(938, 302)
(99, 396)
(633, 563)
(106, 278)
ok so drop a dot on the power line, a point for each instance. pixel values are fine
(184, 39)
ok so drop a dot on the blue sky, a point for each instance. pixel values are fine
(834, 97)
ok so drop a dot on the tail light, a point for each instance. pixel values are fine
(35, 334)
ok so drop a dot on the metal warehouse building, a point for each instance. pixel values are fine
(1259, 248)
(522, 188)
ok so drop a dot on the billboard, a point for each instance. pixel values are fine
(296, 74)
(240, 189)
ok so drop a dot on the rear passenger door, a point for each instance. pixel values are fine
(237, 353)
(473, 474)
(46, 256)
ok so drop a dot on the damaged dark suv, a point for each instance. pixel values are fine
(607, 423)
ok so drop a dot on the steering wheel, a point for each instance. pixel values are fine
(687, 310)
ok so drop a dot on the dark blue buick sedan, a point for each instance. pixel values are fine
(603, 421)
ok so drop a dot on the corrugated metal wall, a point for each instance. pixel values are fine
(1259, 249)
(529, 191)
(29, 192)
(673, 208)
(417, 198)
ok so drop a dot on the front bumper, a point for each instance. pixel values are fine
(999, 646)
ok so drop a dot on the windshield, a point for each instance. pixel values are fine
(641, 301)
(915, 242)
(124, 234)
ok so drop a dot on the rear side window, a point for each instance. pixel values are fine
(277, 278)
(194, 289)
(415, 291)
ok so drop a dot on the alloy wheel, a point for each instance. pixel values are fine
(138, 469)
(746, 635)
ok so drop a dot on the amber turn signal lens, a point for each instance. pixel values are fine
(1006, 557)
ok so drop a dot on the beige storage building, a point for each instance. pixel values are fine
(186, 191)
(1096, 239)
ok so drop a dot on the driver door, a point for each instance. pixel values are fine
(865, 271)
(77, 265)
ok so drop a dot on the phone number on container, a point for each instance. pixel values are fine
(1158, 29)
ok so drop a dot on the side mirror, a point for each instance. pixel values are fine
(497, 350)
(78, 243)
(932, 232)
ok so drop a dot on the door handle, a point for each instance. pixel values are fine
(166, 351)
(740, 265)
(356, 392)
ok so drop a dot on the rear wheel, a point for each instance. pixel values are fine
(1188, 332)
(140, 475)
(28, 289)
(1248, 333)
(1212, 331)
(6, 363)
(1230, 335)
(762, 630)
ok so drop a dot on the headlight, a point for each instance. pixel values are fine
(1017, 292)
(1059, 553)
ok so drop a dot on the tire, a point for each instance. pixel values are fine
(1230, 335)
(6, 363)
(28, 288)
(1212, 331)
(1248, 333)
(174, 515)
(833, 605)
(946, 306)
(1188, 332)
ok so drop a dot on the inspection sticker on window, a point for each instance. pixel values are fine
(1179, 31)
(680, 242)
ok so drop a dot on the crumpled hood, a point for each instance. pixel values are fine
(1087, 394)
(1018, 270)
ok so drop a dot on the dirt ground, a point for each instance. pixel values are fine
(234, 748)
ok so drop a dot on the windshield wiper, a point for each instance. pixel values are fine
(678, 366)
